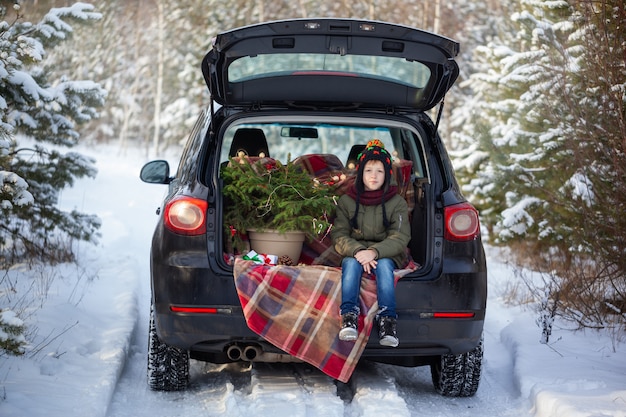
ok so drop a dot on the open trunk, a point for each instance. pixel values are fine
(326, 149)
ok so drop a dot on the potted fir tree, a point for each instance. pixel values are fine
(280, 204)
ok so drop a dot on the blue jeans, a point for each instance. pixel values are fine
(351, 272)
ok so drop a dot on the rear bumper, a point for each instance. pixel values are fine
(187, 279)
(420, 334)
(209, 338)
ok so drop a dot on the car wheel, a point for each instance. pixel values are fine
(458, 375)
(168, 367)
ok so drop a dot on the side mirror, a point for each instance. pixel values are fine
(156, 172)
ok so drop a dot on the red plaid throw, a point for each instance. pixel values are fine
(297, 310)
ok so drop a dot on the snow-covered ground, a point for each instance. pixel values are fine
(89, 336)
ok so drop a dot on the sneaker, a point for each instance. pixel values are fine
(387, 332)
(349, 325)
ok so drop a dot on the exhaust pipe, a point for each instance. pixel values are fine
(234, 353)
(251, 352)
(254, 353)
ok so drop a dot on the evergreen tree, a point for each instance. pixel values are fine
(517, 145)
(39, 112)
(549, 160)
(596, 290)
(490, 105)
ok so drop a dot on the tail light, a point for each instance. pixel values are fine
(462, 223)
(186, 215)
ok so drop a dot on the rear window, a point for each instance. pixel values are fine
(396, 69)
(289, 140)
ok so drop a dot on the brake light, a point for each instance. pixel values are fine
(199, 310)
(462, 223)
(186, 215)
(448, 315)
(321, 72)
(452, 315)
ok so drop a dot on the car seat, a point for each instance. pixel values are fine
(354, 153)
(250, 142)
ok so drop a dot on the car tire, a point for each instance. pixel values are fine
(458, 375)
(168, 367)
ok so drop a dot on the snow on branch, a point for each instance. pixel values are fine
(581, 187)
(28, 85)
(13, 191)
(517, 219)
(53, 25)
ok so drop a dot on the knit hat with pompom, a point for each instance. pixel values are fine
(374, 151)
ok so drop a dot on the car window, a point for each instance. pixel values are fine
(189, 156)
(288, 140)
(397, 69)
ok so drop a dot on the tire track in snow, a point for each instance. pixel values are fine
(376, 395)
(292, 389)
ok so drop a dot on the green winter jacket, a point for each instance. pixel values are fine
(371, 234)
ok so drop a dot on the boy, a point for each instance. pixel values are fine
(371, 232)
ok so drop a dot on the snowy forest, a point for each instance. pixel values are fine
(536, 124)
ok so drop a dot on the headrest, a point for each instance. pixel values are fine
(249, 142)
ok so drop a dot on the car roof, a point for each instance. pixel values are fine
(330, 62)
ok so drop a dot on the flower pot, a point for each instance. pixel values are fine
(272, 242)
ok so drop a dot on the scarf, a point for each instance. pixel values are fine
(372, 198)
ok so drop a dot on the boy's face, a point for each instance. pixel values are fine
(373, 175)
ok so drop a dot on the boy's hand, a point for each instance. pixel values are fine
(367, 259)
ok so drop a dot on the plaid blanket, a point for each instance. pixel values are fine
(297, 310)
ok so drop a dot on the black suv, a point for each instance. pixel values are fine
(324, 87)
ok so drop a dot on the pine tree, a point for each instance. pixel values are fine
(550, 156)
(478, 105)
(39, 112)
(597, 142)
(516, 91)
